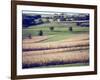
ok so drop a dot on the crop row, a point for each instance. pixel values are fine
(54, 45)
(67, 57)
(54, 51)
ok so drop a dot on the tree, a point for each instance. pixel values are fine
(40, 20)
(47, 19)
(30, 36)
(51, 28)
(70, 29)
(40, 33)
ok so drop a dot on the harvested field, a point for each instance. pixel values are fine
(55, 58)
(54, 45)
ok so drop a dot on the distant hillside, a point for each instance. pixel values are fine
(37, 19)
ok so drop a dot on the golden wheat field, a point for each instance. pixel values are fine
(67, 51)
(72, 56)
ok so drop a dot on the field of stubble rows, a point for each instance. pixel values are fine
(57, 48)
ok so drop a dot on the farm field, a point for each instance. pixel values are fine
(55, 48)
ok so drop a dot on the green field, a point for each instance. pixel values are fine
(59, 32)
(66, 65)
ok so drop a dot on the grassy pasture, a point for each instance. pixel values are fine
(59, 33)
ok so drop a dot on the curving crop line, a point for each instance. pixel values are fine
(60, 58)
(54, 45)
